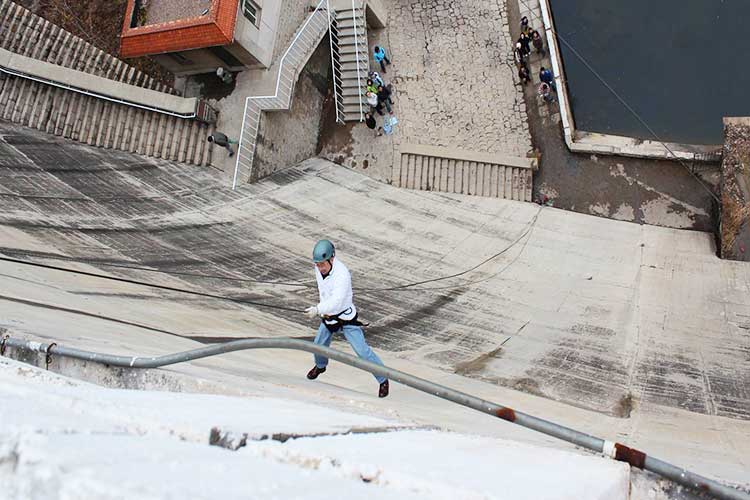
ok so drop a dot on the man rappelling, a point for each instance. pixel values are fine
(337, 312)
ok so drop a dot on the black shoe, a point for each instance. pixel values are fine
(313, 374)
(383, 392)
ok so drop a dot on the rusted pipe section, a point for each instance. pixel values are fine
(617, 451)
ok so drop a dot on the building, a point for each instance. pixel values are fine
(197, 36)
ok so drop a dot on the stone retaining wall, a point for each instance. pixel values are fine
(735, 190)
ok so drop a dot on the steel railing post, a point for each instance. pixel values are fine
(357, 56)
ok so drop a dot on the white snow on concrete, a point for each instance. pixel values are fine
(446, 465)
(66, 439)
(60, 404)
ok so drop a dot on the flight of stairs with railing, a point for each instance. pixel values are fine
(303, 45)
(353, 57)
(84, 118)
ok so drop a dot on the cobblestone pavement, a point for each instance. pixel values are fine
(454, 83)
(454, 75)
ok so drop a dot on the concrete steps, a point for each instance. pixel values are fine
(83, 118)
(353, 60)
(453, 175)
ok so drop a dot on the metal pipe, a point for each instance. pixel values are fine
(96, 95)
(617, 451)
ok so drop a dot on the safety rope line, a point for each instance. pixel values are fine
(397, 288)
(151, 285)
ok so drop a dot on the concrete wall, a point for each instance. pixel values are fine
(256, 46)
(93, 83)
(288, 137)
(259, 40)
(735, 190)
(293, 14)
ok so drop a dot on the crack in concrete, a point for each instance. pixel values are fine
(234, 441)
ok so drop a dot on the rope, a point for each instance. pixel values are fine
(150, 285)
(403, 287)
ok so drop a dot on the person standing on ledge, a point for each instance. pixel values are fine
(337, 312)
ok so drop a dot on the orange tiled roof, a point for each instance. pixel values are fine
(216, 28)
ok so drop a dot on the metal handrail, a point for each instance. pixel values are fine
(617, 451)
(283, 67)
(339, 117)
(356, 56)
(97, 95)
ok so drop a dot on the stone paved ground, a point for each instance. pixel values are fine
(454, 80)
(454, 75)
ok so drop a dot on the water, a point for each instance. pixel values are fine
(681, 65)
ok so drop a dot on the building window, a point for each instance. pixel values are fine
(251, 11)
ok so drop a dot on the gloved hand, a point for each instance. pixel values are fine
(312, 312)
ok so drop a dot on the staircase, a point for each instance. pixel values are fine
(450, 171)
(84, 118)
(354, 58)
(305, 41)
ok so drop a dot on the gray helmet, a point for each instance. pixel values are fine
(323, 251)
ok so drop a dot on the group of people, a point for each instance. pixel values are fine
(379, 95)
(522, 52)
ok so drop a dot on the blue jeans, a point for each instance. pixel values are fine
(356, 339)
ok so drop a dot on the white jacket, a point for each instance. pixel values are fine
(336, 292)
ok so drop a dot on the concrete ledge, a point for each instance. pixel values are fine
(460, 154)
(566, 114)
(737, 120)
(628, 146)
(377, 15)
(97, 85)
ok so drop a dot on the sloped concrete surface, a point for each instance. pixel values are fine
(640, 332)
(63, 439)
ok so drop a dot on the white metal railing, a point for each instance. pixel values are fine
(202, 111)
(338, 95)
(357, 56)
(300, 49)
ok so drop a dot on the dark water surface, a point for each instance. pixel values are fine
(680, 64)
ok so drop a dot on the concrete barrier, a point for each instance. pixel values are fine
(96, 85)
